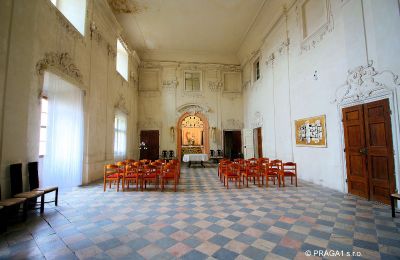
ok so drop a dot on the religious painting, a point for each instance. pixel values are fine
(311, 131)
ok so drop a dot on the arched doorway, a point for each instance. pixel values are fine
(193, 133)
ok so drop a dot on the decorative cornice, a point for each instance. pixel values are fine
(61, 62)
(364, 82)
(270, 60)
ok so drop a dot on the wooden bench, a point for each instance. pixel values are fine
(394, 196)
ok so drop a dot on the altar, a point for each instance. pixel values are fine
(190, 158)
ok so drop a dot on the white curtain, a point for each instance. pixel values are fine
(120, 126)
(62, 164)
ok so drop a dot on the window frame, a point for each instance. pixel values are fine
(119, 131)
(43, 97)
(125, 52)
(256, 70)
(56, 5)
(200, 81)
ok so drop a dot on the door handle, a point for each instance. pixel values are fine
(364, 151)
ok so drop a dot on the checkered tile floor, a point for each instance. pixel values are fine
(204, 220)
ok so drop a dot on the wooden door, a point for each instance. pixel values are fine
(379, 145)
(152, 146)
(354, 136)
(369, 150)
(248, 145)
(232, 144)
(259, 143)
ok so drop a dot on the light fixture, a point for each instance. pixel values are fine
(172, 132)
(142, 146)
(213, 131)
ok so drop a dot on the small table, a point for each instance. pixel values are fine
(195, 158)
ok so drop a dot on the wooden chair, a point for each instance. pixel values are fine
(289, 169)
(17, 190)
(177, 165)
(8, 206)
(34, 183)
(232, 172)
(131, 174)
(112, 174)
(222, 168)
(273, 172)
(150, 174)
(169, 173)
(129, 161)
(252, 172)
(145, 161)
(263, 167)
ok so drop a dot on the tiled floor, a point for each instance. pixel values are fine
(204, 220)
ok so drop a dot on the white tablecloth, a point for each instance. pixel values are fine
(195, 157)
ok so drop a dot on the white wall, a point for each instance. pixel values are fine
(163, 99)
(288, 91)
(37, 28)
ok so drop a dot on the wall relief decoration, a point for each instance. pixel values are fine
(232, 124)
(121, 104)
(310, 36)
(311, 131)
(258, 120)
(61, 62)
(364, 82)
(192, 109)
(150, 124)
(215, 86)
(170, 84)
(125, 7)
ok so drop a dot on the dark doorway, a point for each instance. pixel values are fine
(150, 148)
(232, 144)
(257, 142)
(369, 150)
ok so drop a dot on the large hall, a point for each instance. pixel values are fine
(199, 129)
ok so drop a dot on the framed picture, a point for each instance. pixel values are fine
(311, 131)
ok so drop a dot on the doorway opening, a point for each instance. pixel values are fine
(258, 153)
(149, 144)
(369, 150)
(233, 144)
(193, 136)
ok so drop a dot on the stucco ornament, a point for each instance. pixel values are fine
(59, 61)
(170, 84)
(364, 82)
(258, 120)
(215, 86)
(121, 104)
(193, 109)
(232, 124)
(124, 6)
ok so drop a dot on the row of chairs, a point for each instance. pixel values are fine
(256, 169)
(141, 173)
(27, 199)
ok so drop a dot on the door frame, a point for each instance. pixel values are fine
(374, 87)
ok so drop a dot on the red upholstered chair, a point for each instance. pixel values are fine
(274, 171)
(222, 168)
(112, 174)
(231, 172)
(289, 170)
(169, 173)
(252, 172)
(131, 174)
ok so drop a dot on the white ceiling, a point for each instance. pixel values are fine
(190, 26)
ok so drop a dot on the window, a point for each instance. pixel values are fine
(256, 69)
(120, 124)
(74, 11)
(122, 60)
(43, 126)
(192, 81)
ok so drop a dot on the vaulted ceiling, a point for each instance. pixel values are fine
(186, 26)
